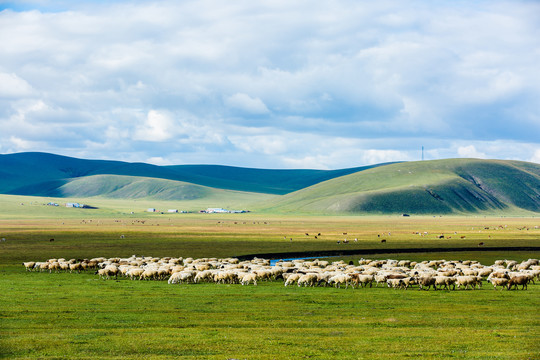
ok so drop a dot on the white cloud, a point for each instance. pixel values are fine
(12, 86)
(158, 126)
(17, 144)
(372, 156)
(470, 152)
(246, 103)
(536, 157)
(158, 160)
(335, 85)
(265, 144)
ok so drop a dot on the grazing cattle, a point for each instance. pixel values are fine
(383, 241)
(441, 236)
(481, 244)
(51, 239)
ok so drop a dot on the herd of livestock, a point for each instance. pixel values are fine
(436, 274)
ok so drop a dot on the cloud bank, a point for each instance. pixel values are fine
(271, 84)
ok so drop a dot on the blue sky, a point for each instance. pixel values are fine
(271, 84)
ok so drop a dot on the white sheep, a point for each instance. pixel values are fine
(29, 266)
(134, 272)
(308, 279)
(249, 277)
(395, 283)
(181, 277)
(340, 279)
(445, 281)
(292, 278)
(498, 282)
(466, 281)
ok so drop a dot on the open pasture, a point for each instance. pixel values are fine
(224, 235)
(64, 315)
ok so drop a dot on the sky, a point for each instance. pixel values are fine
(271, 84)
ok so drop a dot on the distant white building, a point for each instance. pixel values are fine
(172, 211)
(216, 210)
(151, 210)
(75, 205)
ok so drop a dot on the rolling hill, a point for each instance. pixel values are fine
(34, 173)
(452, 186)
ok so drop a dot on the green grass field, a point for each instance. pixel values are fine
(52, 316)
(78, 316)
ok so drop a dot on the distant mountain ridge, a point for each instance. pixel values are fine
(450, 186)
(35, 173)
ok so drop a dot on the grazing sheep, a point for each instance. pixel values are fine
(426, 282)
(405, 283)
(307, 279)
(396, 276)
(395, 283)
(205, 275)
(445, 281)
(380, 279)
(292, 278)
(498, 282)
(76, 266)
(29, 266)
(134, 272)
(362, 280)
(511, 264)
(518, 280)
(499, 274)
(106, 273)
(264, 274)
(339, 279)
(250, 277)
(466, 281)
(181, 277)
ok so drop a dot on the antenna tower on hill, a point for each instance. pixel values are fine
(422, 153)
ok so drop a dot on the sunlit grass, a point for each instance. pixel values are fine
(78, 316)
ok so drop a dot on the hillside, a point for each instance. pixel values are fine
(453, 186)
(38, 173)
(129, 187)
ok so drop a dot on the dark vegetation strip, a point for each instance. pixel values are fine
(335, 253)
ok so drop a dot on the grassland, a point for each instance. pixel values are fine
(53, 316)
(450, 186)
(77, 316)
(34, 207)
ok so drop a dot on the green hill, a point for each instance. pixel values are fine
(130, 187)
(451, 186)
(34, 173)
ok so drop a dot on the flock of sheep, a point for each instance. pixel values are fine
(436, 274)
